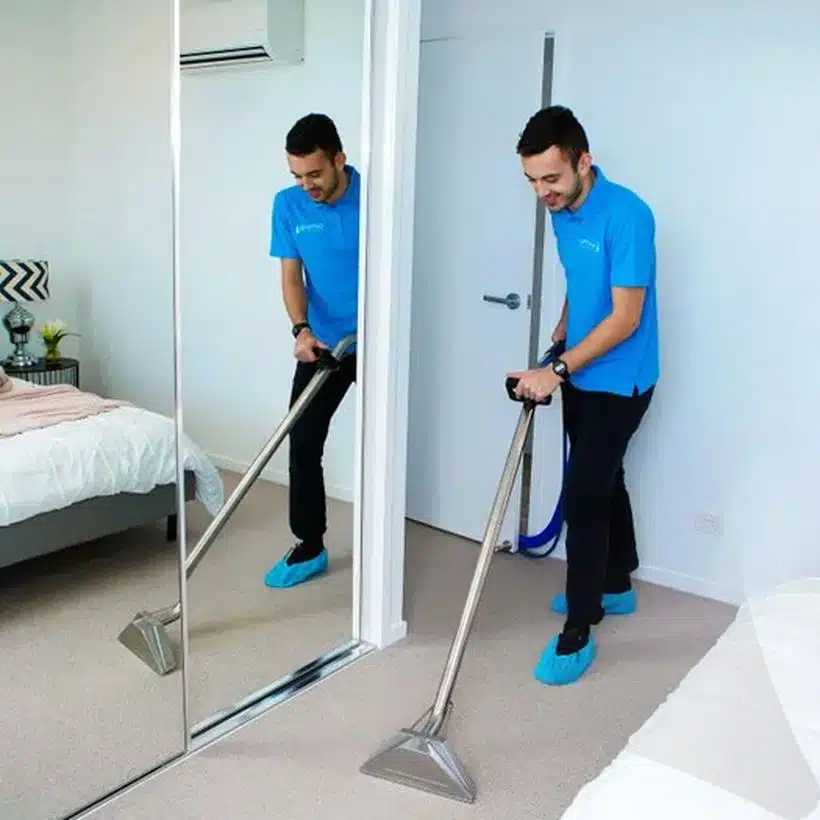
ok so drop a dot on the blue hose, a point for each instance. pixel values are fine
(543, 544)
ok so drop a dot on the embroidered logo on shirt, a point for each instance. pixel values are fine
(590, 245)
(310, 227)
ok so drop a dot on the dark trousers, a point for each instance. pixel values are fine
(308, 504)
(600, 541)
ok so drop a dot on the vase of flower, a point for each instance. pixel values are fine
(52, 334)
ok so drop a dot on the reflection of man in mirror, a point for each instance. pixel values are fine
(605, 237)
(315, 234)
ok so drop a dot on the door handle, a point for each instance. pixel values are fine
(511, 300)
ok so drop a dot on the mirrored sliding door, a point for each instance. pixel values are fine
(269, 230)
(87, 436)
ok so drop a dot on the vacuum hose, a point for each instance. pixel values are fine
(543, 544)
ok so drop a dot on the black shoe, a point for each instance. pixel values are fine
(572, 639)
(304, 551)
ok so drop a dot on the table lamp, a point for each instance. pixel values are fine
(21, 280)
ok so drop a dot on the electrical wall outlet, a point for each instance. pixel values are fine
(709, 523)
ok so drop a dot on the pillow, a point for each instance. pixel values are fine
(5, 381)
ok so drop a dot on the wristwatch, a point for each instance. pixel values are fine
(561, 369)
(299, 327)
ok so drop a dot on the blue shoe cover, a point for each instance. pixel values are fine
(560, 670)
(285, 575)
(620, 603)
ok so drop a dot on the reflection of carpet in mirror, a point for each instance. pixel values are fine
(244, 635)
(80, 714)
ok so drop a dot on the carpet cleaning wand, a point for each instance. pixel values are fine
(146, 636)
(421, 757)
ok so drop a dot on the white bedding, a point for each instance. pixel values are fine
(740, 737)
(637, 788)
(125, 450)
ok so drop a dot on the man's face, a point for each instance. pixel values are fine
(318, 176)
(553, 178)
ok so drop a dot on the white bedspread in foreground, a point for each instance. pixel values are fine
(125, 450)
(739, 739)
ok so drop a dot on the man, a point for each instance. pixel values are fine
(315, 234)
(605, 236)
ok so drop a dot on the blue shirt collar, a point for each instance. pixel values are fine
(595, 198)
(353, 184)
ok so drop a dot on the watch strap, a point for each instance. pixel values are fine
(559, 366)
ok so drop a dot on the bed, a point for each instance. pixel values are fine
(75, 481)
(740, 737)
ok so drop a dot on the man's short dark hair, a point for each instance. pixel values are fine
(554, 126)
(311, 133)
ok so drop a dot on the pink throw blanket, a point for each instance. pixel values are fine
(34, 407)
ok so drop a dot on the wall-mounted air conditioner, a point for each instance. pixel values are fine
(230, 32)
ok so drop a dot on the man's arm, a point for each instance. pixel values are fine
(294, 296)
(559, 334)
(627, 304)
(633, 266)
(283, 246)
(293, 291)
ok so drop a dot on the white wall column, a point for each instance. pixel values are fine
(388, 207)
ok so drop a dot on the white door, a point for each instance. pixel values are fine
(474, 237)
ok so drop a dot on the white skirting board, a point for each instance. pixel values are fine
(338, 492)
(688, 583)
(672, 580)
(654, 575)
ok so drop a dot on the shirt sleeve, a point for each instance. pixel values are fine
(281, 237)
(632, 248)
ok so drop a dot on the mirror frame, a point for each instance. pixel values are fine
(390, 74)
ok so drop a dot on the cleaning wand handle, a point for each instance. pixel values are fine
(488, 549)
(553, 353)
(326, 362)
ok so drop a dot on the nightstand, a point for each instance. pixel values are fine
(59, 371)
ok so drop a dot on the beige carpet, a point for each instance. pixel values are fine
(243, 635)
(81, 714)
(529, 747)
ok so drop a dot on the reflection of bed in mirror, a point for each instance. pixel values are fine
(101, 472)
(86, 487)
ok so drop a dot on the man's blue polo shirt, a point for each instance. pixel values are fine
(610, 242)
(324, 237)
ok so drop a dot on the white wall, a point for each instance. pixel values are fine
(711, 111)
(86, 173)
(120, 196)
(33, 154)
(237, 349)
(86, 181)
